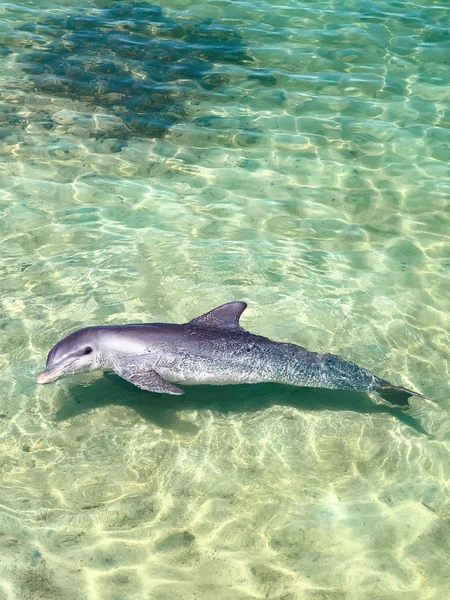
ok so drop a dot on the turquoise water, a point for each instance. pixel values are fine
(157, 163)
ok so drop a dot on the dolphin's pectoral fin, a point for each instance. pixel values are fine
(147, 379)
(223, 317)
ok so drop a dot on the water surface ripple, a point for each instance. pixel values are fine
(156, 161)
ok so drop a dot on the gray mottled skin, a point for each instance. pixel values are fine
(211, 349)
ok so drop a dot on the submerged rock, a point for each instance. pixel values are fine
(131, 60)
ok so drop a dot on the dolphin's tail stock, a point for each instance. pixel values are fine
(395, 394)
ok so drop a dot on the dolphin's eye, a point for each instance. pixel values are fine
(87, 350)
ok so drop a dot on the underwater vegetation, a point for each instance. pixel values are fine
(129, 59)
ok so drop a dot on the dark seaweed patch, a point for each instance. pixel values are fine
(131, 60)
(4, 51)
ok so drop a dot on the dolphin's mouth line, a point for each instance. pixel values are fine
(47, 376)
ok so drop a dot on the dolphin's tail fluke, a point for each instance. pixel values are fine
(395, 394)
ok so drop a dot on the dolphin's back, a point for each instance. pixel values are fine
(208, 355)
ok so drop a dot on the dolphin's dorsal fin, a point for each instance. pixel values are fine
(222, 317)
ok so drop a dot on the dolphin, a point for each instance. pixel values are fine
(211, 349)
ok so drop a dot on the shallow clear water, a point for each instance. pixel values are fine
(303, 167)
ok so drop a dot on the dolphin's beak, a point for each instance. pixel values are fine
(49, 375)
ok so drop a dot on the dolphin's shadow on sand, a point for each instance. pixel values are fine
(162, 409)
